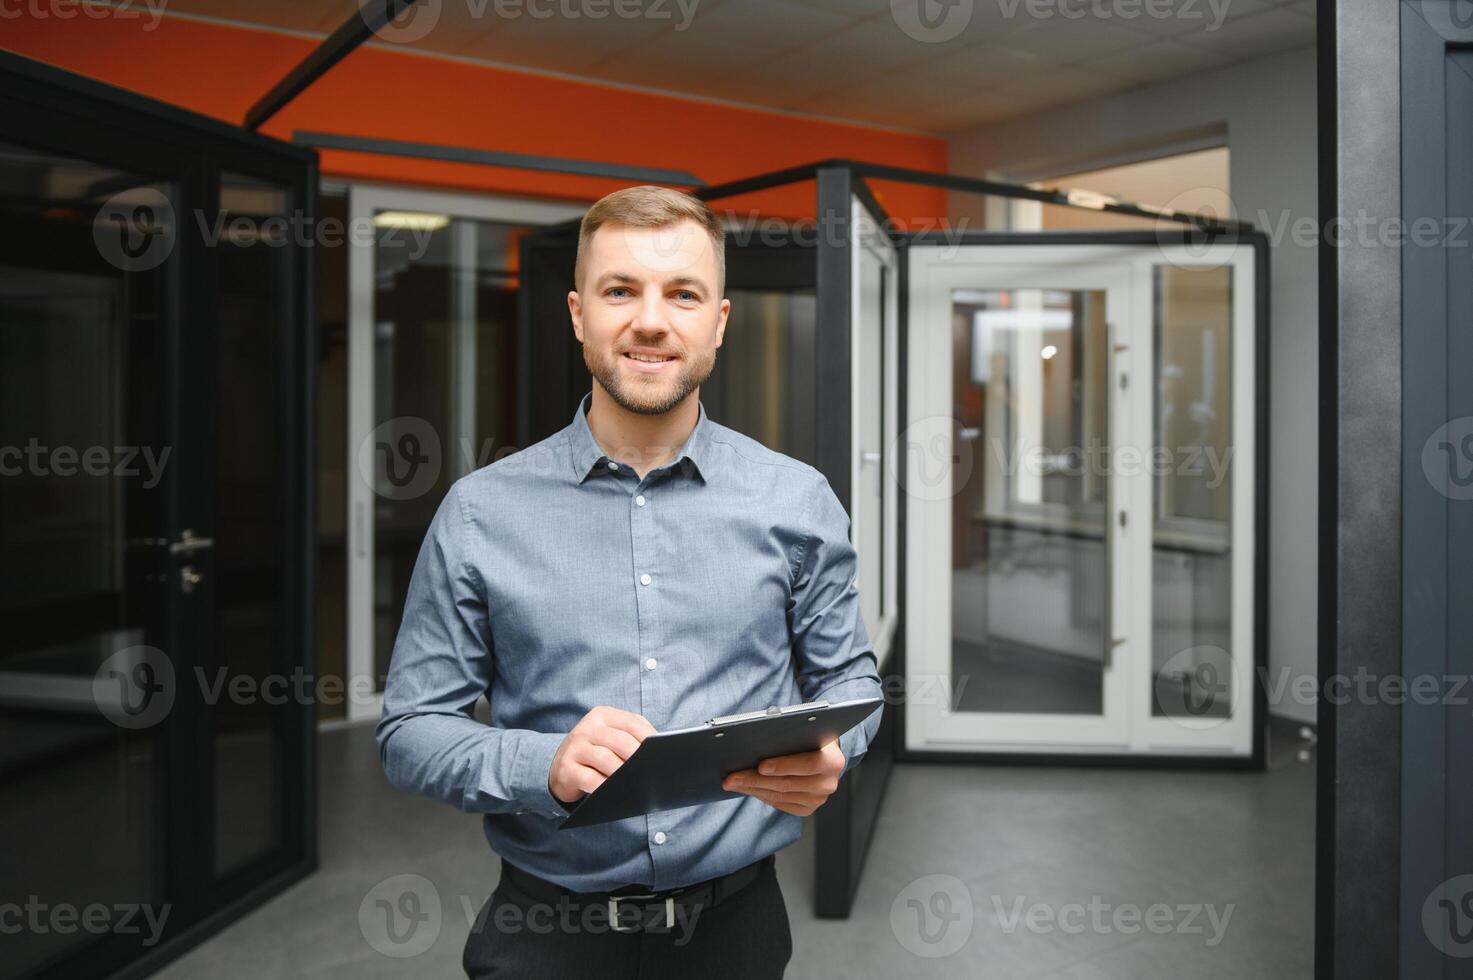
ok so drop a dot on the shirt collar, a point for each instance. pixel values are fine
(586, 453)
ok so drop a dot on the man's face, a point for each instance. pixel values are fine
(648, 313)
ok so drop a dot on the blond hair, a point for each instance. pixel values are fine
(648, 206)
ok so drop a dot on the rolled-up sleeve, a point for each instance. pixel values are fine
(428, 738)
(833, 656)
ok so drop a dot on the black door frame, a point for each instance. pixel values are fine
(59, 112)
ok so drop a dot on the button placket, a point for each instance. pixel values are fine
(646, 598)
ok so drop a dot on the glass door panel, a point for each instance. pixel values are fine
(1014, 543)
(433, 386)
(85, 686)
(874, 418)
(252, 570)
(1030, 560)
(1192, 520)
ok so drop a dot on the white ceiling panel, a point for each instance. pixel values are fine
(853, 55)
(980, 67)
(1257, 35)
(1175, 18)
(1158, 61)
(725, 38)
(1075, 40)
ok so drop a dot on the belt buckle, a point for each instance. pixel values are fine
(614, 901)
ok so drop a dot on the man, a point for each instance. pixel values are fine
(644, 569)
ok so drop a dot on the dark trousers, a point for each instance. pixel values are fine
(746, 937)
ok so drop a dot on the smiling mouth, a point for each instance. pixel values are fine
(650, 360)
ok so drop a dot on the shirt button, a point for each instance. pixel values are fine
(613, 465)
(659, 837)
(639, 500)
(644, 579)
(650, 663)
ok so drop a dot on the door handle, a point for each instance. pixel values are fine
(188, 544)
(873, 458)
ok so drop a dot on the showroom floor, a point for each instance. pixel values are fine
(1018, 873)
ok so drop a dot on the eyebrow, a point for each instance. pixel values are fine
(624, 278)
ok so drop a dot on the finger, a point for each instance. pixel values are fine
(598, 757)
(620, 742)
(798, 804)
(635, 724)
(788, 784)
(586, 778)
(801, 764)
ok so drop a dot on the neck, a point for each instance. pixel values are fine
(643, 442)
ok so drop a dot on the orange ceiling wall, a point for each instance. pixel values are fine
(221, 70)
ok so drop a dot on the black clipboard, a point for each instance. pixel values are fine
(685, 767)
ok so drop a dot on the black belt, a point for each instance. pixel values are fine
(701, 895)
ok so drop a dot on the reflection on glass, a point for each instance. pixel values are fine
(763, 382)
(868, 516)
(253, 269)
(83, 478)
(1029, 557)
(1191, 549)
(332, 455)
(445, 313)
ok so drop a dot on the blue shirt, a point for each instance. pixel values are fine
(555, 580)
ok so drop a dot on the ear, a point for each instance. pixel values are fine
(575, 310)
(721, 320)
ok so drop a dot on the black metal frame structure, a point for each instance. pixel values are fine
(495, 158)
(1436, 751)
(58, 112)
(1395, 795)
(1357, 808)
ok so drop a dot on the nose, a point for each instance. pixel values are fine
(649, 317)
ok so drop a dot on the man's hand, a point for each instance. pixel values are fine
(797, 784)
(590, 753)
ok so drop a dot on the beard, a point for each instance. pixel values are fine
(648, 394)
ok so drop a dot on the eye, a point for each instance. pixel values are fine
(616, 289)
(686, 296)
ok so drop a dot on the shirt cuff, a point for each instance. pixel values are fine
(529, 775)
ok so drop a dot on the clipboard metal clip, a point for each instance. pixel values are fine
(791, 709)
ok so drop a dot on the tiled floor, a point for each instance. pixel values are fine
(1040, 872)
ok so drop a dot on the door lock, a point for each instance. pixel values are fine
(188, 579)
